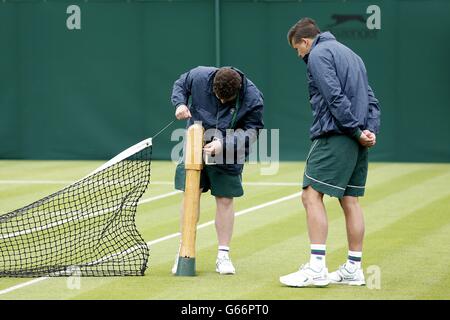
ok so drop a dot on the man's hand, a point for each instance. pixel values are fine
(371, 135)
(367, 139)
(213, 148)
(182, 112)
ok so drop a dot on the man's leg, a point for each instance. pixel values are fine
(315, 273)
(316, 218)
(224, 220)
(224, 187)
(354, 221)
(224, 229)
(351, 272)
(316, 215)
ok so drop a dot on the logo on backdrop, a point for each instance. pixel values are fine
(73, 21)
(357, 26)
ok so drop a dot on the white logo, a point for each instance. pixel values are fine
(74, 281)
(374, 277)
(374, 21)
(73, 22)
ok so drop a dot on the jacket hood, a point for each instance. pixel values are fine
(324, 36)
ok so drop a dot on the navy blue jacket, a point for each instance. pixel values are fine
(341, 99)
(197, 84)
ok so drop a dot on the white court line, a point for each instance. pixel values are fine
(237, 214)
(23, 285)
(76, 215)
(35, 182)
(273, 184)
(169, 183)
(65, 182)
(162, 196)
(171, 236)
(31, 282)
(58, 223)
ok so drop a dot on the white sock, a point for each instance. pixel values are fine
(223, 252)
(354, 260)
(317, 259)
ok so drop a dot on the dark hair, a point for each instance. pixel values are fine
(227, 83)
(304, 28)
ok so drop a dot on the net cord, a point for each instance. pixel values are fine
(123, 155)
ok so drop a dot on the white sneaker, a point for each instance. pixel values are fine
(224, 266)
(346, 276)
(306, 277)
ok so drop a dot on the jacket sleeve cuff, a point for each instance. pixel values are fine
(357, 133)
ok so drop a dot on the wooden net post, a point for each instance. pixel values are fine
(191, 201)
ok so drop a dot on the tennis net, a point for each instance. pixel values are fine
(88, 228)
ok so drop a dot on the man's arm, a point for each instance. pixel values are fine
(180, 95)
(373, 119)
(324, 74)
(181, 90)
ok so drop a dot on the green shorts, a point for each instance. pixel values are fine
(220, 183)
(337, 166)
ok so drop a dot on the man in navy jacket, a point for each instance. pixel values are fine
(222, 99)
(346, 119)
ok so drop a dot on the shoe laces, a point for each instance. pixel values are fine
(343, 267)
(225, 259)
(304, 266)
(307, 268)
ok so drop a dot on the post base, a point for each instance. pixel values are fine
(186, 267)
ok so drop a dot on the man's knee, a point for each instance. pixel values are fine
(311, 196)
(349, 202)
(223, 202)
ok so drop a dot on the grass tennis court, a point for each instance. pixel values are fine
(407, 232)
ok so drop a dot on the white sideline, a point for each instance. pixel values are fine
(173, 235)
(66, 182)
(76, 217)
(165, 195)
(23, 285)
(237, 214)
(35, 182)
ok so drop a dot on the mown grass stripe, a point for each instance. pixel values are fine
(262, 238)
(417, 256)
(254, 240)
(174, 235)
(433, 186)
(398, 183)
(394, 260)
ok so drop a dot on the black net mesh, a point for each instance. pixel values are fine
(87, 228)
